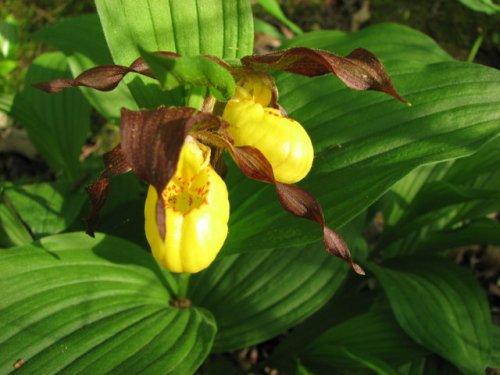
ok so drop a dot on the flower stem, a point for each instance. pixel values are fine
(183, 283)
(196, 97)
(476, 46)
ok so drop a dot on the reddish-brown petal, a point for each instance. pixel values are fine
(102, 78)
(98, 193)
(360, 70)
(114, 165)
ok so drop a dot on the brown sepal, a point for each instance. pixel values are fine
(360, 70)
(114, 165)
(293, 199)
(102, 78)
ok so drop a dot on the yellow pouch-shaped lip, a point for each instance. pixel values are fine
(282, 140)
(197, 211)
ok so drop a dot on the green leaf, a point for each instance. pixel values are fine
(484, 231)
(8, 37)
(375, 334)
(46, 208)
(477, 171)
(495, 353)
(484, 6)
(434, 201)
(364, 141)
(441, 307)
(196, 71)
(389, 41)
(73, 304)
(6, 101)
(7, 66)
(257, 295)
(273, 8)
(464, 189)
(362, 360)
(263, 27)
(57, 125)
(190, 28)
(12, 230)
(82, 41)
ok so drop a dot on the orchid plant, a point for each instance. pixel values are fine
(176, 257)
(177, 151)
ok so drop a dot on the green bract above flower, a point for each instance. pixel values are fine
(177, 151)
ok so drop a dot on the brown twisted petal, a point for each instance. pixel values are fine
(293, 199)
(114, 165)
(102, 78)
(360, 70)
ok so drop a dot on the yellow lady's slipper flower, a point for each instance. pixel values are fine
(282, 140)
(197, 211)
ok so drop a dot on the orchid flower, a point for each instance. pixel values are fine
(177, 151)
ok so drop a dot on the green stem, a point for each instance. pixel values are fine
(475, 47)
(196, 97)
(183, 283)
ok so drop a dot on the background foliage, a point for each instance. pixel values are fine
(405, 186)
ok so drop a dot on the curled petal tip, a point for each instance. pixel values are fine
(357, 268)
(54, 86)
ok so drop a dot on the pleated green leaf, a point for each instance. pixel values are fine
(72, 304)
(366, 141)
(440, 206)
(484, 231)
(190, 28)
(57, 125)
(12, 230)
(82, 41)
(257, 295)
(436, 199)
(441, 307)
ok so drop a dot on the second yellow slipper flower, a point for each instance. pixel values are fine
(282, 140)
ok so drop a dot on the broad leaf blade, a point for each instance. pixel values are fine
(365, 142)
(12, 230)
(46, 208)
(190, 28)
(441, 307)
(258, 295)
(74, 304)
